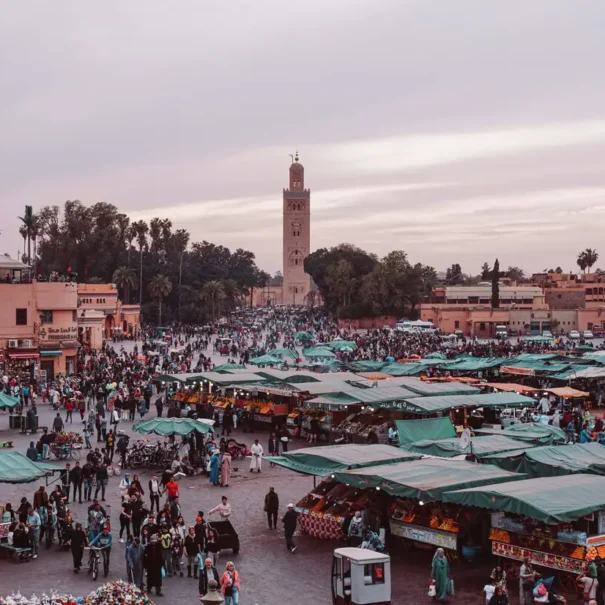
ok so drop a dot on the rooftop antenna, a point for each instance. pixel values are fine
(292, 158)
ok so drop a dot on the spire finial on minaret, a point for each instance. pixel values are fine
(296, 156)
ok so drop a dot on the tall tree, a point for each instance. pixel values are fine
(486, 271)
(454, 275)
(591, 257)
(582, 262)
(496, 285)
(213, 295)
(159, 288)
(125, 278)
(141, 229)
(180, 240)
(516, 274)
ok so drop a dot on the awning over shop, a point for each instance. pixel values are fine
(510, 386)
(530, 368)
(474, 365)
(479, 447)
(532, 432)
(174, 378)
(17, 468)
(23, 354)
(172, 426)
(404, 369)
(51, 353)
(332, 458)
(556, 461)
(225, 379)
(367, 366)
(568, 392)
(425, 480)
(546, 499)
(411, 431)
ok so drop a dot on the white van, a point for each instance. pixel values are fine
(501, 332)
(423, 327)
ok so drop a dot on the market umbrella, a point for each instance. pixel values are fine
(17, 468)
(342, 345)
(303, 336)
(225, 367)
(171, 426)
(318, 352)
(8, 401)
(284, 353)
(265, 360)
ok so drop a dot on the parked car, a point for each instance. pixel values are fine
(547, 334)
(573, 334)
(588, 335)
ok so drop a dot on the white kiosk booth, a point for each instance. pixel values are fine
(360, 577)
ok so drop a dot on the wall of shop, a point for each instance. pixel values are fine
(368, 323)
(13, 297)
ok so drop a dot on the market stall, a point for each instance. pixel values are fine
(534, 433)
(558, 525)
(17, 468)
(417, 487)
(412, 431)
(173, 426)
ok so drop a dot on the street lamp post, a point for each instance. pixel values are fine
(213, 596)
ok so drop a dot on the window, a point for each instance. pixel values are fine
(482, 326)
(373, 573)
(21, 319)
(473, 300)
(456, 324)
(46, 317)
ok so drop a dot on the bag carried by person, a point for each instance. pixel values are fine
(586, 594)
(432, 589)
(450, 587)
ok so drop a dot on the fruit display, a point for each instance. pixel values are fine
(543, 559)
(500, 535)
(595, 551)
(69, 437)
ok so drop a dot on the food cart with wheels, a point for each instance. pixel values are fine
(360, 577)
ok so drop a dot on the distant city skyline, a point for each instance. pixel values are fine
(456, 135)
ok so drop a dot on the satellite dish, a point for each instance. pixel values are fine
(465, 438)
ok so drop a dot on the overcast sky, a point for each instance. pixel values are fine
(457, 130)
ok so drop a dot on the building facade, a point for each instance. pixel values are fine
(39, 328)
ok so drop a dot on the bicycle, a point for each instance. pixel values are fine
(95, 560)
(61, 451)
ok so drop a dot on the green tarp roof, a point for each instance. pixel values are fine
(17, 468)
(411, 431)
(425, 480)
(367, 366)
(535, 357)
(556, 461)
(474, 364)
(546, 499)
(174, 377)
(265, 360)
(8, 401)
(404, 369)
(171, 426)
(481, 446)
(318, 352)
(225, 379)
(430, 389)
(339, 345)
(226, 367)
(332, 458)
(538, 366)
(431, 405)
(283, 353)
(533, 432)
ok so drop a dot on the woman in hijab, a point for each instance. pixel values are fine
(440, 573)
(226, 469)
(214, 468)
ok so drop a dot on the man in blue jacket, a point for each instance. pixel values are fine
(104, 541)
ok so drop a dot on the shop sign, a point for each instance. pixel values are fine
(267, 419)
(424, 534)
(543, 559)
(519, 371)
(59, 333)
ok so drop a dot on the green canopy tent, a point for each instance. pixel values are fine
(226, 367)
(265, 360)
(17, 468)
(8, 401)
(473, 364)
(341, 345)
(302, 336)
(321, 461)
(366, 366)
(168, 378)
(411, 431)
(432, 405)
(404, 369)
(546, 499)
(479, 447)
(435, 355)
(430, 389)
(284, 353)
(555, 461)
(425, 480)
(532, 432)
(172, 426)
(318, 352)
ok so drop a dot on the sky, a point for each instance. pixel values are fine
(457, 131)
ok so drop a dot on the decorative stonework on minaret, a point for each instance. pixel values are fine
(297, 236)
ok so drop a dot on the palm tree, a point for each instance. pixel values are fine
(213, 295)
(591, 256)
(159, 288)
(31, 223)
(155, 233)
(141, 229)
(129, 235)
(581, 261)
(180, 240)
(23, 234)
(126, 279)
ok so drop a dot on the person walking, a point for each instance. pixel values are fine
(226, 469)
(69, 409)
(214, 468)
(102, 478)
(230, 584)
(75, 478)
(125, 517)
(527, 578)
(207, 572)
(257, 453)
(191, 550)
(290, 519)
(154, 493)
(272, 507)
(273, 448)
(78, 542)
(356, 528)
(166, 543)
(177, 552)
(88, 472)
(134, 559)
(152, 563)
(440, 573)
(58, 423)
